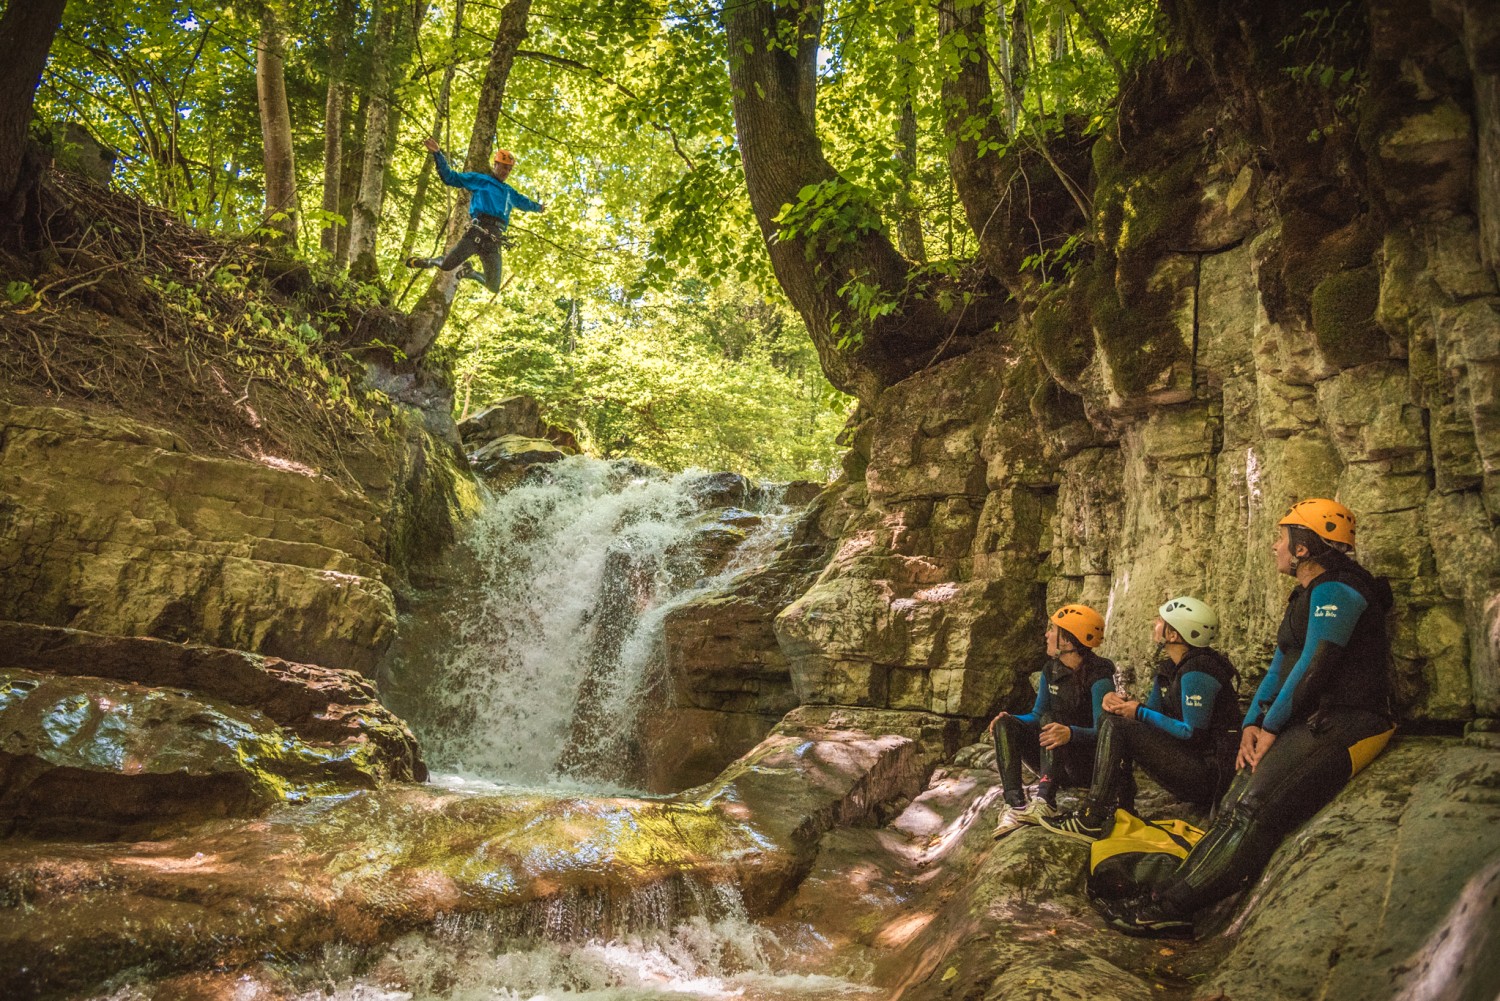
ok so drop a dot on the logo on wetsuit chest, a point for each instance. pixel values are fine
(1326, 612)
(1051, 689)
(1195, 700)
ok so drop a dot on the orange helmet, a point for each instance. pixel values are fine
(503, 157)
(1082, 622)
(1327, 519)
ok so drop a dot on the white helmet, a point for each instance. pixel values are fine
(1194, 620)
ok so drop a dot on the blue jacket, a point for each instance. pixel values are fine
(489, 194)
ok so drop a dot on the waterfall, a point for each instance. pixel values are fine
(556, 641)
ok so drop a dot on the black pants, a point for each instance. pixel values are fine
(1302, 772)
(483, 239)
(1187, 772)
(1016, 741)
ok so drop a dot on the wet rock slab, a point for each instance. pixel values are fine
(320, 705)
(362, 868)
(85, 757)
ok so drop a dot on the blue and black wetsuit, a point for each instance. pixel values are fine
(1071, 696)
(1183, 737)
(490, 203)
(1327, 698)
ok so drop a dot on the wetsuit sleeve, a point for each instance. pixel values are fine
(1199, 689)
(523, 203)
(1101, 688)
(1335, 609)
(453, 178)
(1266, 692)
(1039, 707)
(448, 176)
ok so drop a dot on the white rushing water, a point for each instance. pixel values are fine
(699, 957)
(559, 638)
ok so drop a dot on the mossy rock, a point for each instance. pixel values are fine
(98, 758)
(1142, 211)
(1343, 317)
(1064, 342)
(1140, 343)
(1311, 248)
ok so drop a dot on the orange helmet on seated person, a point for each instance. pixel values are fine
(1327, 519)
(504, 158)
(1081, 622)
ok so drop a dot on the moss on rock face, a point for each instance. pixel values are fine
(1142, 341)
(1062, 336)
(1343, 317)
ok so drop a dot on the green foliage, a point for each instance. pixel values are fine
(1328, 49)
(828, 216)
(705, 376)
(620, 116)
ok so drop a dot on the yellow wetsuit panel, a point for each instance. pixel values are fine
(1363, 752)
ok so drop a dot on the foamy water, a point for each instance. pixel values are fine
(553, 648)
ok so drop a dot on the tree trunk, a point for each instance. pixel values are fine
(909, 231)
(440, 115)
(354, 158)
(26, 32)
(333, 129)
(1017, 204)
(431, 311)
(333, 162)
(365, 221)
(774, 88)
(276, 131)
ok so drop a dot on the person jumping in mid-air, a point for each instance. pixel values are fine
(490, 204)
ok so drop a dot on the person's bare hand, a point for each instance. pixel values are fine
(1262, 745)
(431, 144)
(1112, 702)
(1054, 735)
(1246, 756)
(991, 728)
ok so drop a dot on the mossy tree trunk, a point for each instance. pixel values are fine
(365, 221)
(334, 106)
(26, 32)
(773, 75)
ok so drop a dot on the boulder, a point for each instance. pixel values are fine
(87, 757)
(507, 458)
(114, 527)
(514, 415)
(519, 416)
(320, 705)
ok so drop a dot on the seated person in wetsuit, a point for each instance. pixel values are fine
(1181, 736)
(490, 204)
(1322, 713)
(1057, 737)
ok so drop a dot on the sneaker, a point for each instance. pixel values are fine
(1036, 811)
(1075, 825)
(418, 262)
(1152, 919)
(1010, 820)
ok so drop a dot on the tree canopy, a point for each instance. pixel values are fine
(642, 308)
